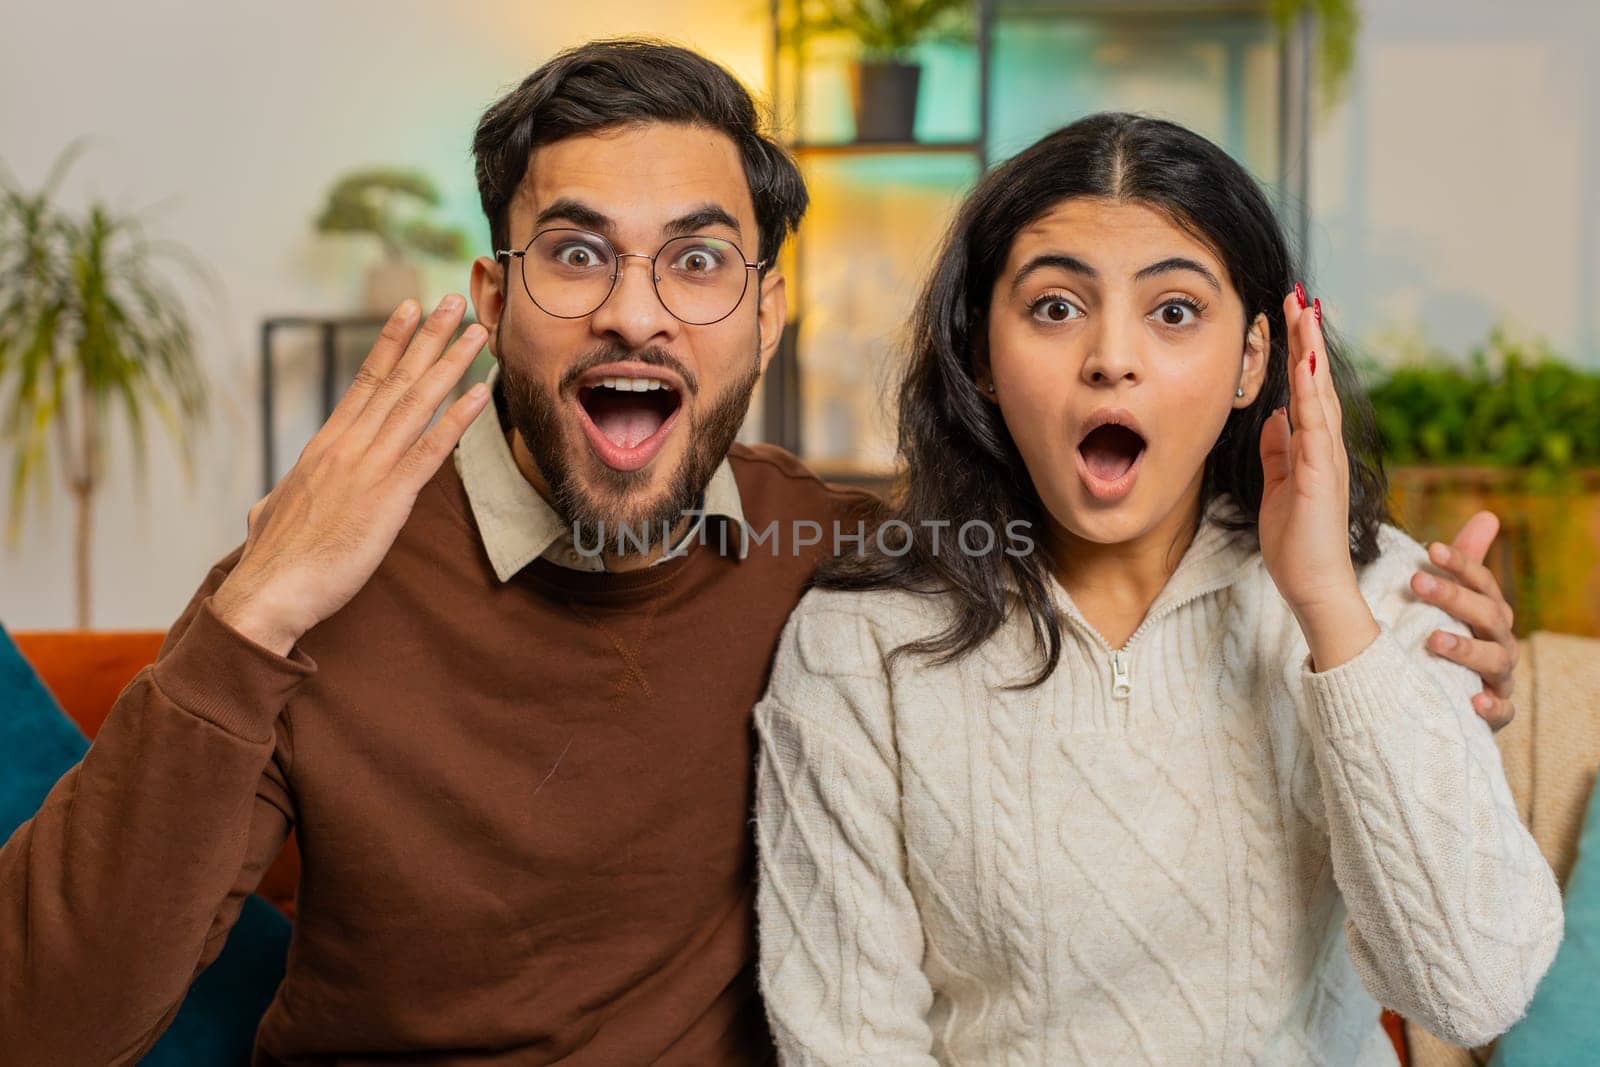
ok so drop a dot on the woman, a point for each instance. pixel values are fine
(1180, 785)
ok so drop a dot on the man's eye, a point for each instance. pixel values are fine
(1054, 309)
(1176, 313)
(699, 260)
(579, 257)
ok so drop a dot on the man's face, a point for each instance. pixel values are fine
(641, 452)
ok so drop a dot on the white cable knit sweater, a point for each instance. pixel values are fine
(1192, 851)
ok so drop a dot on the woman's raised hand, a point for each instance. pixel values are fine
(317, 538)
(1305, 501)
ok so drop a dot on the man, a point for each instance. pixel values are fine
(519, 769)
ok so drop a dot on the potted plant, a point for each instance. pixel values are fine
(89, 327)
(393, 206)
(885, 75)
(1338, 23)
(1516, 430)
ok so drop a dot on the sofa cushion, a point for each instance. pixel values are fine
(218, 1019)
(1562, 1025)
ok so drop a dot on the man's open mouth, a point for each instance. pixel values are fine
(627, 419)
(1109, 456)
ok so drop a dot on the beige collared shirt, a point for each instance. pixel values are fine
(519, 526)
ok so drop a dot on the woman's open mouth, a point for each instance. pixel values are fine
(627, 419)
(1109, 457)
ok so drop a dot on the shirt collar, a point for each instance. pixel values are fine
(518, 526)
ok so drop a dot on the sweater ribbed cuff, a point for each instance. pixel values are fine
(1361, 695)
(216, 673)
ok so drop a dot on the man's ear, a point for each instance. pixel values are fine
(1253, 367)
(489, 297)
(772, 313)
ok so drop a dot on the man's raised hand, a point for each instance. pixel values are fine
(322, 531)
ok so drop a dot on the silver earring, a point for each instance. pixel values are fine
(991, 387)
(1239, 392)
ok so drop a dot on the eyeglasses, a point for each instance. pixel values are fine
(570, 273)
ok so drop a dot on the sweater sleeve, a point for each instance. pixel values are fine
(841, 940)
(124, 884)
(1454, 915)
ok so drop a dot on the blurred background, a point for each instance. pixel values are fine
(206, 204)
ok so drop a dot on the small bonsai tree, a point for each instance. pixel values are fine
(392, 205)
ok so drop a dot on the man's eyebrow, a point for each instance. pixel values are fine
(1071, 264)
(700, 219)
(576, 212)
(1174, 263)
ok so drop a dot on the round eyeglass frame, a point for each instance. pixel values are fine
(616, 271)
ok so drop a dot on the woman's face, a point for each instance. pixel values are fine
(1116, 344)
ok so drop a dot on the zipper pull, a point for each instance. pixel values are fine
(1121, 684)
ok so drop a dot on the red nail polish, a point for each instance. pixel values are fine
(1316, 305)
(1313, 363)
(1300, 293)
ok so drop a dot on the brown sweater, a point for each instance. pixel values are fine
(522, 811)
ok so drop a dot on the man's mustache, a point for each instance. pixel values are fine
(652, 356)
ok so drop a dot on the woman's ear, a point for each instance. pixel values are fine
(1253, 367)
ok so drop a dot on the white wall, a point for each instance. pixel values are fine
(1458, 186)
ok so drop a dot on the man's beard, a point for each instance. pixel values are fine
(595, 517)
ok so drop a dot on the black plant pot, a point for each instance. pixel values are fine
(886, 100)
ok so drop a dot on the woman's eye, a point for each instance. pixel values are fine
(1054, 309)
(1176, 313)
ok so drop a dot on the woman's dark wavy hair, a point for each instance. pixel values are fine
(960, 461)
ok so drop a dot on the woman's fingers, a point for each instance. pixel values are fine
(1275, 466)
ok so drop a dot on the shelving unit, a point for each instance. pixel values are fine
(831, 356)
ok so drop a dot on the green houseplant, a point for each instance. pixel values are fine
(1338, 22)
(1515, 429)
(886, 32)
(394, 206)
(90, 327)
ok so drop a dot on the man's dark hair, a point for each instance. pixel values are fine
(605, 84)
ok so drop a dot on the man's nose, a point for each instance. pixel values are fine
(633, 314)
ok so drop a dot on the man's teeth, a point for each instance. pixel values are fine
(635, 385)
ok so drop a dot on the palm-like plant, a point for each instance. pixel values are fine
(89, 325)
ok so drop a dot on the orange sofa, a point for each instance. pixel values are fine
(87, 670)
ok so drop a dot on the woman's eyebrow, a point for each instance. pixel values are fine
(1061, 261)
(1175, 263)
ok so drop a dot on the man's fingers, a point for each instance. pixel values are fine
(1496, 711)
(1483, 614)
(1490, 659)
(380, 361)
(410, 414)
(1468, 571)
(424, 351)
(1477, 535)
(424, 457)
